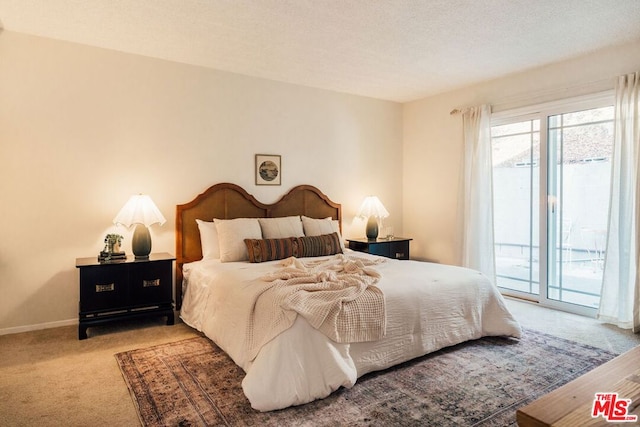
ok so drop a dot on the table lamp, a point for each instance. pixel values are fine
(140, 210)
(373, 209)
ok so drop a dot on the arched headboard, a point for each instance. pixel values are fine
(229, 201)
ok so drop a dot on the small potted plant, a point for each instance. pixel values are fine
(112, 250)
(112, 243)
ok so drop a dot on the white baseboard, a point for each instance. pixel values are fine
(37, 327)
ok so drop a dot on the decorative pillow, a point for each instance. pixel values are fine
(325, 244)
(231, 235)
(208, 239)
(318, 227)
(261, 250)
(278, 228)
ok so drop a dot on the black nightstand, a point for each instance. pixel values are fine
(396, 247)
(124, 289)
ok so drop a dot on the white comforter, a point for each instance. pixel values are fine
(429, 306)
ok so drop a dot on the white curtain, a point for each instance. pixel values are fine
(619, 303)
(477, 196)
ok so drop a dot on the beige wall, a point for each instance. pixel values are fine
(81, 129)
(432, 139)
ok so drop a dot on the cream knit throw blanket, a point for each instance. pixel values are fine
(336, 296)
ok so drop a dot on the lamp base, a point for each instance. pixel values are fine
(372, 228)
(141, 243)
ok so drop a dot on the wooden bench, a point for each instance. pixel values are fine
(572, 404)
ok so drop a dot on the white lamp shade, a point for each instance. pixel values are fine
(372, 207)
(139, 209)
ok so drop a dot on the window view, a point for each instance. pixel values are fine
(577, 173)
(516, 201)
(580, 148)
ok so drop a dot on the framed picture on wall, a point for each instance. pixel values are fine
(268, 169)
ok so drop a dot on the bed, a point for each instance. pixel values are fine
(288, 356)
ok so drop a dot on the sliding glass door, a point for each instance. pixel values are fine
(580, 147)
(551, 172)
(516, 198)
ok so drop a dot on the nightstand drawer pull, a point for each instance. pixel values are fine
(399, 254)
(150, 283)
(106, 288)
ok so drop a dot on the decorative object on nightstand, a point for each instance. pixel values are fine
(140, 210)
(112, 250)
(128, 288)
(372, 209)
(394, 247)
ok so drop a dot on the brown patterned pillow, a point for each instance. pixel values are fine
(325, 244)
(261, 250)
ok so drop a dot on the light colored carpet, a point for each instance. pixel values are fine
(581, 329)
(49, 378)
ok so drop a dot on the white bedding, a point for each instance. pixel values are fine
(429, 306)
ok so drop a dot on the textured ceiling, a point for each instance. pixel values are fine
(398, 50)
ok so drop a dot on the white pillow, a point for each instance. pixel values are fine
(318, 227)
(208, 239)
(279, 228)
(231, 235)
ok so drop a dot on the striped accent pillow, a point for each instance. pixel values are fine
(325, 244)
(261, 250)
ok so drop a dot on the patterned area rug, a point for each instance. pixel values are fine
(478, 383)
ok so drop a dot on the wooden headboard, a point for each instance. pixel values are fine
(229, 201)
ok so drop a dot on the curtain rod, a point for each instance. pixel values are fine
(459, 110)
(546, 95)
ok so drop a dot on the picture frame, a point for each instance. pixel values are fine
(268, 169)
